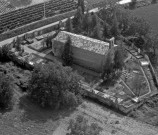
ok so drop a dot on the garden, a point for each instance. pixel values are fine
(133, 76)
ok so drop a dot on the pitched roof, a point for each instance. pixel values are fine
(84, 42)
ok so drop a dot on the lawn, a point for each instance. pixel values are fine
(150, 14)
(132, 71)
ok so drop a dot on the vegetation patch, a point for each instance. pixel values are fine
(148, 112)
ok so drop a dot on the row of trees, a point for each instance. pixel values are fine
(86, 23)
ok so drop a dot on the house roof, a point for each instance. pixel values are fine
(84, 42)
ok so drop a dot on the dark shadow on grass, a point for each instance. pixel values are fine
(32, 112)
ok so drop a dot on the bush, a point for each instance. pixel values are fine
(53, 85)
(132, 5)
(6, 92)
(80, 127)
(4, 53)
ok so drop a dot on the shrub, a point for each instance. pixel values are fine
(80, 127)
(53, 85)
(133, 3)
(6, 92)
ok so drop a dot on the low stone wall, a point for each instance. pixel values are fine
(36, 25)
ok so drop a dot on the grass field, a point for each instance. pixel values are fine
(150, 14)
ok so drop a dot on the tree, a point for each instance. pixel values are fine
(97, 32)
(48, 39)
(77, 20)
(115, 32)
(55, 86)
(69, 26)
(150, 46)
(94, 20)
(111, 71)
(133, 3)
(67, 53)
(108, 66)
(86, 23)
(118, 59)
(80, 126)
(123, 17)
(4, 52)
(106, 31)
(18, 44)
(81, 4)
(6, 91)
(138, 26)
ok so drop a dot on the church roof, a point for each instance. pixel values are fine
(84, 42)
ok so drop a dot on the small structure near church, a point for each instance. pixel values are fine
(87, 52)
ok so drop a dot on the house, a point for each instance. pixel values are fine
(87, 52)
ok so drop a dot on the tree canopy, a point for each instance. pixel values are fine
(6, 91)
(67, 53)
(53, 85)
(118, 59)
(69, 26)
